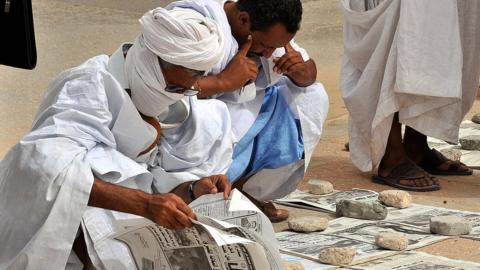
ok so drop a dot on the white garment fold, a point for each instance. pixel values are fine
(418, 58)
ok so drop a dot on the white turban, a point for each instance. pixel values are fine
(182, 37)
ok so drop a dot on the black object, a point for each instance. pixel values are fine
(17, 45)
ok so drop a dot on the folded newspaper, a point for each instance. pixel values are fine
(327, 202)
(211, 243)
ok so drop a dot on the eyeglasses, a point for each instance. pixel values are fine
(181, 90)
(171, 88)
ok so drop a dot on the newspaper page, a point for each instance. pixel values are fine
(469, 157)
(307, 264)
(327, 202)
(309, 246)
(237, 210)
(419, 216)
(366, 230)
(418, 261)
(199, 247)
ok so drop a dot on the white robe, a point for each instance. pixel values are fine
(309, 104)
(418, 58)
(86, 125)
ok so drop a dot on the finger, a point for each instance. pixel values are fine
(183, 220)
(246, 46)
(224, 185)
(186, 210)
(287, 64)
(288, 48)
(280, 61)
(294, 68)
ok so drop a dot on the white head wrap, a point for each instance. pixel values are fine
(182, 37)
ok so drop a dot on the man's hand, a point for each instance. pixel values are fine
(169, 211)
(240, 70)
(292, 64)
(211, 185)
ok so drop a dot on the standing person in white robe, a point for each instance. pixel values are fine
(412, 63)
(268, 84)
(90, 146)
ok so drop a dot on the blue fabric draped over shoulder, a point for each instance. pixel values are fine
(274, 140)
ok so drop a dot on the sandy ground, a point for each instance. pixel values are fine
(70, 31)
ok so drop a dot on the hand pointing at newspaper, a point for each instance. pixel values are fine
(169, 211)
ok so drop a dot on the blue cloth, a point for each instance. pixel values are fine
(274, 140)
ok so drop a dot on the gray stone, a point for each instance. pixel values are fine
(293, 266)
(372, 210)
(452, 153)
(337, 256)
(476, 118)
(391, 240)
(450, 225)
(319, 187)
(308, 224)
(471, 142)
(395, 198)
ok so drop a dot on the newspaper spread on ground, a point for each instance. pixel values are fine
(414, 222)
(307, 264)
(469, 157)
(211, 243)
(309, 245)
(327, 202)
(418, 261)
(418, 216)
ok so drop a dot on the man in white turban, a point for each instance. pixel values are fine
(411, 63)
(91, 144)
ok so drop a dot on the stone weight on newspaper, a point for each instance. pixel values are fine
(452, 153)
(319, 187)
(337, 256)
(308, 224)
(371, 210)
(476, 118)
(395, 198)
(293, 266)
(471, 142)
(391, 240)
(450, 225)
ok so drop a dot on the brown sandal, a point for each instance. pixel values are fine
(406, 171)
(433, 160)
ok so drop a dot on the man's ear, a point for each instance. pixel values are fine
(244, 20)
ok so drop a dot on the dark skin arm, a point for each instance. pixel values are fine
(239, 71)
(167, 210)
(302, 73)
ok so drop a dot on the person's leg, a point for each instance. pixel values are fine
(268, 208)
(397, 168)
(432, 161)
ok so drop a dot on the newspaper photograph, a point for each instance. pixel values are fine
(199, 247)
(418, 261)
(419, 216)
(211, 243)
(309, 245)
(327, 202)
(366, 230)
